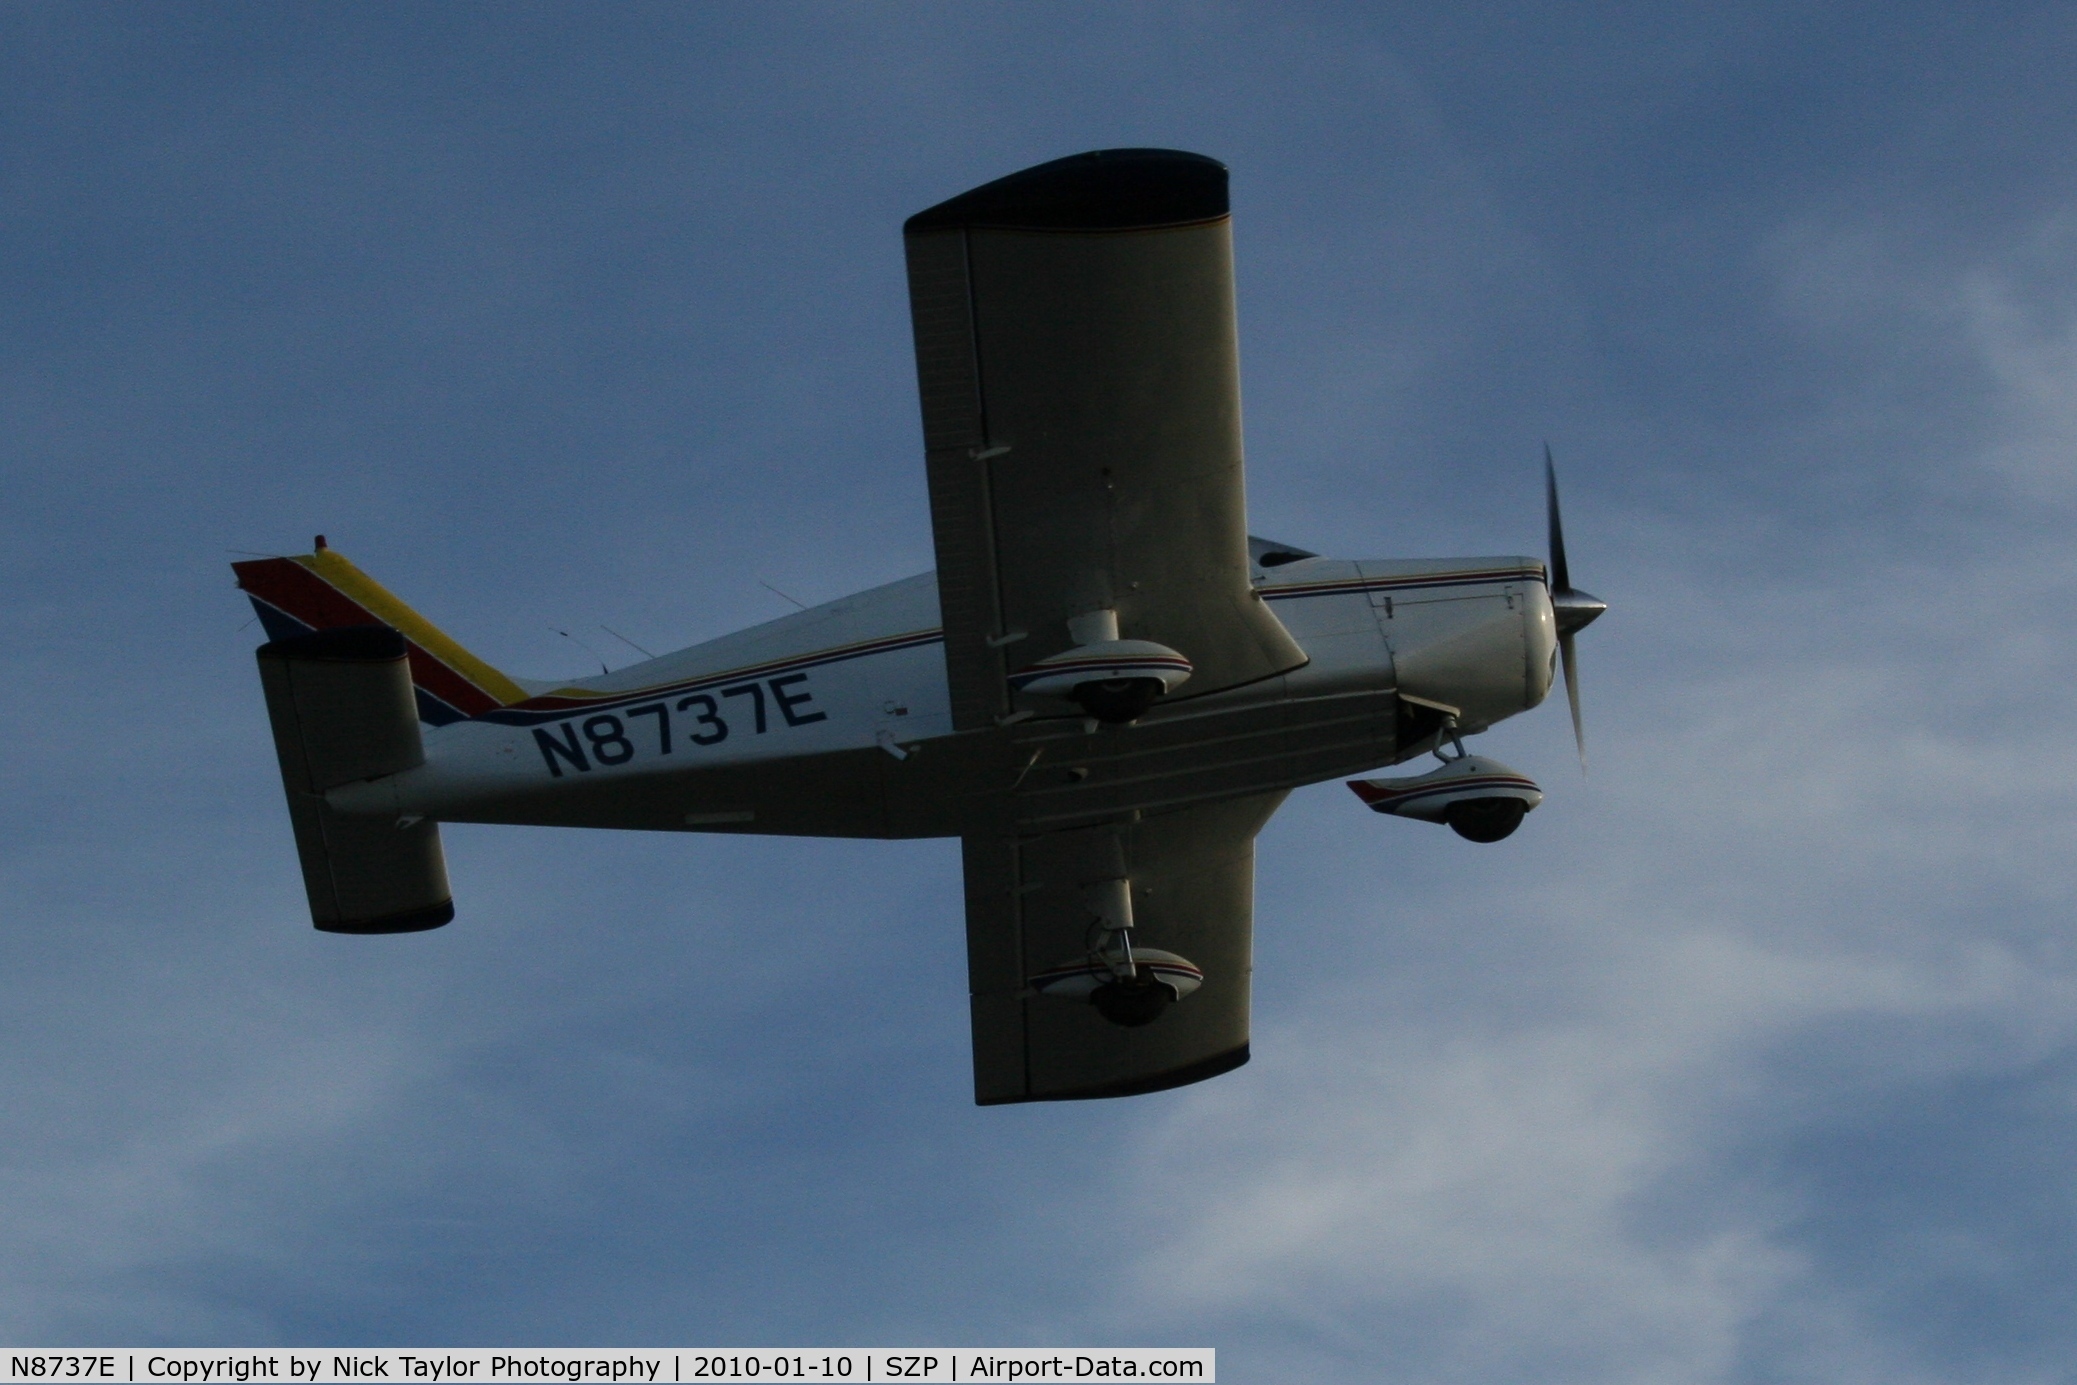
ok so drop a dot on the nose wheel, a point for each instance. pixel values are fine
(1486, 819)
(1477, 819)
(1481, 800)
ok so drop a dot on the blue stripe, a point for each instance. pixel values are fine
(1377, 584)
(278, 624)
(434, 712)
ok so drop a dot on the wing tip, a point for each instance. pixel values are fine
(1101, 190)
(1201, 1070)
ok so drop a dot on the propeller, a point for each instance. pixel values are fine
(1574, 610)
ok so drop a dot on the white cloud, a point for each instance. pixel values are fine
(2025, 332)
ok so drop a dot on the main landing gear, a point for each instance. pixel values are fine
(1129, 986)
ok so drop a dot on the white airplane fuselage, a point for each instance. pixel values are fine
(836, 722)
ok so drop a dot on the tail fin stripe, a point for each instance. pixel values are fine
(300, 594)
(278, 624)
(425, 637)
(324, 591)
(434, 712)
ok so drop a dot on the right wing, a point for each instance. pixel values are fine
(1078, 366)
(1193, 886)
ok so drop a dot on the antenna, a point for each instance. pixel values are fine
(585, 647)
(625, 640)
(776, 592)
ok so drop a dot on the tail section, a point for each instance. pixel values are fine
(323, 591)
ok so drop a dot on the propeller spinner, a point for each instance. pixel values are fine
(1573, 609)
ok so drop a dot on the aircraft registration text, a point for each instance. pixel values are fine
(614, 738)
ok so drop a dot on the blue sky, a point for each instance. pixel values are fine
(1752, 1057)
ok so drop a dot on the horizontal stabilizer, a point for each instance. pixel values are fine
(342, 710)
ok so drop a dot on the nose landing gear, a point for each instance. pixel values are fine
(1481, 800)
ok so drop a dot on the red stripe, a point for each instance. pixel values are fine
(450, 687)
(291, 587)
(1370, 793)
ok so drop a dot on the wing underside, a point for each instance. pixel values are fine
(1079, 375)
(1078, 367)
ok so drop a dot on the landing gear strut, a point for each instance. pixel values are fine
(1133, 997)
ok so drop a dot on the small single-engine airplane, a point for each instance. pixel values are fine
(1104, 690)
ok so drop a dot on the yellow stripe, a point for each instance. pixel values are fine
(384, 606)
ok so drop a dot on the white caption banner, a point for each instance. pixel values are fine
(603, 1366)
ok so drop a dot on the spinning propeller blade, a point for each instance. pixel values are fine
(1579, 727)
(1574, 610)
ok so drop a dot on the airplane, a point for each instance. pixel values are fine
(1104, 690)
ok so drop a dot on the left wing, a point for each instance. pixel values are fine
(1193, 893)
(1078, 366)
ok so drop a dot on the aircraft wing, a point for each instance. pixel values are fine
(1078, 367)
(1193, 883)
